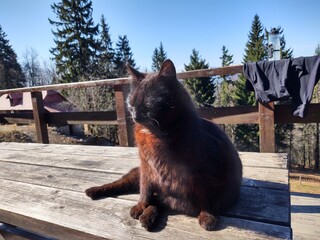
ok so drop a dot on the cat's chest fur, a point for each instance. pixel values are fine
(169, 175)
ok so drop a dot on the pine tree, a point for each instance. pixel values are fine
(247, 134)
(255, 47)
(202, 89)
(224, 96)
(224, 92)
(158, 57)
(74, 38)
(254, 52)
(317, 50)
(123, 56)
(105, 56)
(11, 75)
(226, 58)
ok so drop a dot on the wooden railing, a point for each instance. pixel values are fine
(266, 115)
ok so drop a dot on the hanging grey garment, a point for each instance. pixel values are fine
(284, 79)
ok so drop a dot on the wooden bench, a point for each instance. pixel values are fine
(42, 191)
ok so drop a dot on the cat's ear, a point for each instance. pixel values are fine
(135, 74)
(168, 69)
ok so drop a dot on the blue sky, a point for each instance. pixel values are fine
(181, 25)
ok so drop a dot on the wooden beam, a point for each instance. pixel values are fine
(61, 86)
(230, 70)
(283, 114)
(10, 232)
(19, 118)
(101, 117)
(39, 117)
(125, 80)
(266, 127)
(231, 115)
(125, 124)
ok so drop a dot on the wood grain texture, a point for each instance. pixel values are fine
(283, 114)
(266, 127)
(21, 118)
(305, 216)
(122, 81)
(125, 123)
(253, 159)
(231, 115)
(102, 117)
(55, 212)
(42, 189)
(255, 203)
(39, 117)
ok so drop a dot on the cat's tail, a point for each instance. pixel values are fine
(128, 184)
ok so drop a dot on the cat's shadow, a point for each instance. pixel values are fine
(163, 218)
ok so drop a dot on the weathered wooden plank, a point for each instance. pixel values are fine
(10, 232)
(125, 124)
(39, 117)
(61, 86)
(263, 204)
(266, 127)
(101, 117)
(230, 70)
(36, 172)
(11, 150)
(305, 216)
(80, 178)
(268, 160)
(55, 212)
(264, 177)
(9, 120)
(234, 115)
(283, 114)
(90, 172)
(68, 179)
(121, 81)
(21, 118)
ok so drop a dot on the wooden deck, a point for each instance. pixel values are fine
(305, 216)
(42, 190)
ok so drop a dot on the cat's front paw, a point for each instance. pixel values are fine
(148, 217)
(93, 193)
(207, 221)
(136, 211)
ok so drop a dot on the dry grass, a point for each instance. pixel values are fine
(304, 186)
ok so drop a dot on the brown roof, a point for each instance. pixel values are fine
(53, 102)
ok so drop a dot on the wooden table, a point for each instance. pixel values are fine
(42, 190)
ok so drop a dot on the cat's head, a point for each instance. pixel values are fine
(156, 100)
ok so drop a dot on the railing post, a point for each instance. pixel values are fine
(125, 125)
(266, 127)
(39, 117)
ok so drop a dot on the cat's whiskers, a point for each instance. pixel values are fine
(156, 122)
(157, 128)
